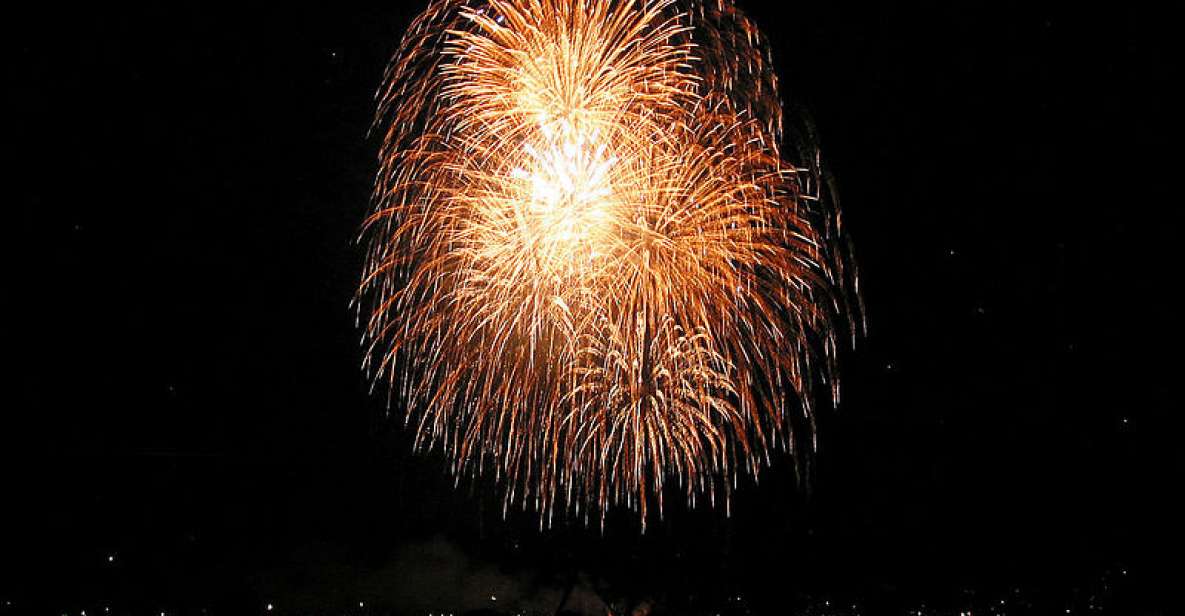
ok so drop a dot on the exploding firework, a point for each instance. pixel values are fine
(591, 270)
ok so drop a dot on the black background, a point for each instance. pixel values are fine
(188, 401)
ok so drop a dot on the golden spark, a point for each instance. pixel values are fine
(590, 268)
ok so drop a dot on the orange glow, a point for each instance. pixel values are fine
(590, 269)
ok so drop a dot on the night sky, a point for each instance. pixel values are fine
(191, 429)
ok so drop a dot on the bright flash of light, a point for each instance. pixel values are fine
(590, 268)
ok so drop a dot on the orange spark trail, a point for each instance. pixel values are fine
(590, 268)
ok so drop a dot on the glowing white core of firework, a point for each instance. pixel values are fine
(568, 192)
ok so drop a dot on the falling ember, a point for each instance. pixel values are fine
(590, 268)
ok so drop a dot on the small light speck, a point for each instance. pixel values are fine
(270, 607)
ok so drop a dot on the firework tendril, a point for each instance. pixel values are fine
(592, 270)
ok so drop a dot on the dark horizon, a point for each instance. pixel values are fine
(193, 430)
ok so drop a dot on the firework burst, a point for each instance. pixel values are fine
(590, 270)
